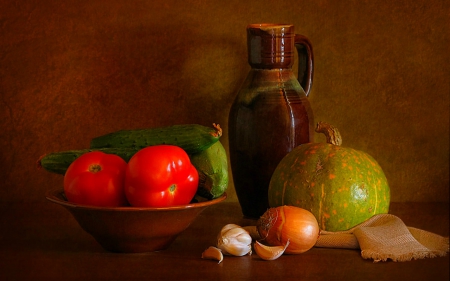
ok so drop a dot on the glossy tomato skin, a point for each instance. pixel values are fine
(160, 176)
(97, 179)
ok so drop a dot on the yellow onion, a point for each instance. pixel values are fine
(279, 225)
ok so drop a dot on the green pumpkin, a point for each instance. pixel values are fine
(341, 186)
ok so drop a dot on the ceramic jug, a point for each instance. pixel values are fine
(271, 113)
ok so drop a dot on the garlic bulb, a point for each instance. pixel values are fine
(234, 240)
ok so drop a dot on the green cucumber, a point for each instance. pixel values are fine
(58, 162)
(193, 138)
(212, 167)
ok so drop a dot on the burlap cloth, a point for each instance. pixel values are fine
(384, 237)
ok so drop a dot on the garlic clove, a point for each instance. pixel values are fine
(244, 238)
(231, 246)
(233, 232)
(269, 252)
(213, 253)
(227, 227)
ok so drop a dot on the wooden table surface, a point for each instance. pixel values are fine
(41, 241)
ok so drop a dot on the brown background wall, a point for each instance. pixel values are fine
(71, 70)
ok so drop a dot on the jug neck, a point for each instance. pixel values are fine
(271, 48)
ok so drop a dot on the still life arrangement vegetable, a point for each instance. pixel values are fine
(156, 167)
(316, 187)
(285, 229)
(341, 186)
(96, 179)
(316, 190)
(160, 176)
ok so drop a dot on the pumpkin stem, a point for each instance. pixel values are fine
(331, 133)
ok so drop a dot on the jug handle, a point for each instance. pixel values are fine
(305, 62)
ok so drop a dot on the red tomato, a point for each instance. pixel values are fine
(160, 176)
(96, 178)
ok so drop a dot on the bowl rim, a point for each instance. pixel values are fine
(56, 196)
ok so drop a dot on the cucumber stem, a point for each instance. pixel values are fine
(218, 132)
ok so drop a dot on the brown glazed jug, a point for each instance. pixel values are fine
(271, 113)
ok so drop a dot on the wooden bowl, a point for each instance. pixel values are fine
(132, 229)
